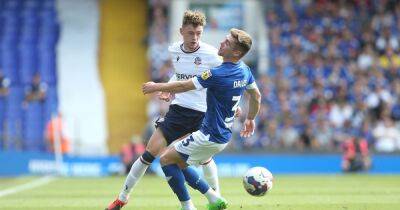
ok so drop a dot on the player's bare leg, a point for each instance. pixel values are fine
(171, 162)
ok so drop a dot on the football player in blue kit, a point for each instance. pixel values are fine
(225, 86)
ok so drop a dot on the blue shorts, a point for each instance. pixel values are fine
(178, 122)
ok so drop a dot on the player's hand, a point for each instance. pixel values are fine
(248, 128)
(238, 112)
(149, 87)
(165, 96)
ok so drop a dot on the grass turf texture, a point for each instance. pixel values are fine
(364, 192)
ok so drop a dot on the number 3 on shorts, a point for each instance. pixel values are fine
(186, 141)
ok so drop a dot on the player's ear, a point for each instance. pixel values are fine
(237, 53)
(181, 31)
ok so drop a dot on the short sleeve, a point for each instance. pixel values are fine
(206, 80)
(251, 82)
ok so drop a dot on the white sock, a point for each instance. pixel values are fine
(211, 196)
(136, 172)
(211, 175)
(188, 205)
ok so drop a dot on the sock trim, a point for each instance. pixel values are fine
(147, 158)
(144, 162)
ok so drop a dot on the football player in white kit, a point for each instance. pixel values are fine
(186, 112)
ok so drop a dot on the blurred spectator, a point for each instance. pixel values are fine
(386, 40)
(387, 136)
(307, 139)
(270, 136)
(323, 133)
(366, 58)
(36, 91)
(390, 59)
(355, 155)
(289, 135)
(131, 151)
(4, 84)
(54, 130)
(340, 112)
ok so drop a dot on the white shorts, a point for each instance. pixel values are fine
(197, 149)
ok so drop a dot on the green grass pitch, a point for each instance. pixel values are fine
(341, 192)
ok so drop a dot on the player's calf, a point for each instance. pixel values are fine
(138, 169)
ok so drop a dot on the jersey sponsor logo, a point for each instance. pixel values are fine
(197, 60)
(239, 83)
(184, 76)
(205, 75)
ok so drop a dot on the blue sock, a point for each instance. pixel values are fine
(194, 180)
(176, 181)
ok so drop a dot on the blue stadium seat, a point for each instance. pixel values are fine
(31, 4)
(14, 103)
(33, 127)
(9, 63)
(12, 133)
(2, 120)
(51, 103)
(47, 66)
(29, 31)
(28, 62)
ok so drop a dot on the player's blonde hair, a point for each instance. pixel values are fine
(195, 18)
(242, 39)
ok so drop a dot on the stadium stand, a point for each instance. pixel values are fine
(29, 32)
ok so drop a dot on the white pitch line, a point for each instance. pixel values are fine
(30, 185)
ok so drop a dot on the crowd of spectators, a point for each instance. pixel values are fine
(333, 75)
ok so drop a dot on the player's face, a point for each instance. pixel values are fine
(191, 36)
(226, 47)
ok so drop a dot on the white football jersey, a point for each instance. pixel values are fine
(191, 64)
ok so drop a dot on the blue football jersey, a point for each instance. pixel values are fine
(225, 86)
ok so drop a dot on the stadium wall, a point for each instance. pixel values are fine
(80, 91)
(123, 68)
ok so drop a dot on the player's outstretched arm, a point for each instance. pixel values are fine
(171, 87)
(254, 107)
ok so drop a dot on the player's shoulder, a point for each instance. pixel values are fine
(246, 69)
(175, 47)
(207, 49)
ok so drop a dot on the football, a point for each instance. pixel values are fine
(258, 181)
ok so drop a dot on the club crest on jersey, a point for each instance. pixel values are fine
(205, 75)
(197, 61)
(177, 58)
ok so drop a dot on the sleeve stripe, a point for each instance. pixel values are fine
(197, 83)
(251, 86)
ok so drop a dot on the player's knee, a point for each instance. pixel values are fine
(147, 157)
(154, 151)
(165, 160)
